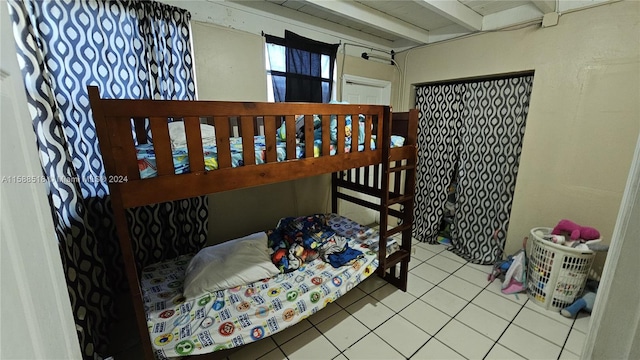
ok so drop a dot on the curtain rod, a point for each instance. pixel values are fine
(390, 52)
(262, 33)
(366, 56)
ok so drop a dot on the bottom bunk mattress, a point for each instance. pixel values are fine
(243, 314)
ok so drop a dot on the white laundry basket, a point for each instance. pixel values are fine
(556, 274)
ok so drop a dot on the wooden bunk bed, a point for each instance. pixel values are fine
(380, 171)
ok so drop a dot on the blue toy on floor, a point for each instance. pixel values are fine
(585, 302)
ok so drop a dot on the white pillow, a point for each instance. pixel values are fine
(230, 264)
(179, 137)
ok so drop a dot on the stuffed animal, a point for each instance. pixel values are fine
(575, 231)
(585, 302)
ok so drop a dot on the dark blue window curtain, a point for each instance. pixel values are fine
(304, 79)
(129, 49)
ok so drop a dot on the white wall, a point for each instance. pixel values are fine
(584, 115)
(615, 320)
(30, 267)
(241, 212)
(230, 66)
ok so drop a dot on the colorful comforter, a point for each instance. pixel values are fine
(296, 241)
(181, 326)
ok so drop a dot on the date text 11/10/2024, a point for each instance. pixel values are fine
(38, 179)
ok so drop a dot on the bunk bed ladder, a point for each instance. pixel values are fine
(394, 183)
(388, 267)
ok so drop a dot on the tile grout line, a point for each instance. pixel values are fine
(468, 302)
(373, 330)
(398, 312)
(564, 344)
(452, 317)
(322, 333)
(540, 337)
(434, 286)
(341, 352)
(504, 331)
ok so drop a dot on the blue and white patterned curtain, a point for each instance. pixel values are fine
(440, 109)
(129, 49)
(470, 134)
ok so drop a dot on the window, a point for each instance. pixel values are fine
(300, 69)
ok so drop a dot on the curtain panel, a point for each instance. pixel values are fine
(470, 134)
(491, 136)
(440, 109)
(307, 77)
(129, 49)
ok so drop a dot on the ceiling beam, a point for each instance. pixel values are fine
(256, 16)
(566, 5)
(505, 18)
(454, 11)
(370, 17)
(546, 6)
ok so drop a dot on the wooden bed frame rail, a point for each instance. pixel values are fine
(120, 124)
(113, 119)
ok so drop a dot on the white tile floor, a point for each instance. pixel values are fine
(450, 311)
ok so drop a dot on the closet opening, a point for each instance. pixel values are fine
(449, 210)
(470, 139)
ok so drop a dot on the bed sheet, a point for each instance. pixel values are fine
(148, 168)
(238, 316)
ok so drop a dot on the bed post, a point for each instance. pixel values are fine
(334, 192)
(121, 222)
(384, 195)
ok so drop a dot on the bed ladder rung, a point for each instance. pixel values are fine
(401, 168)
(397, 229)
(389, 270)
(396, 257)
(401, 199)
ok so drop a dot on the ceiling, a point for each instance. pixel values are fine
(401, 24)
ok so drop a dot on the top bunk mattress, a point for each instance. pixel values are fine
(233, 317)
(147, 159)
